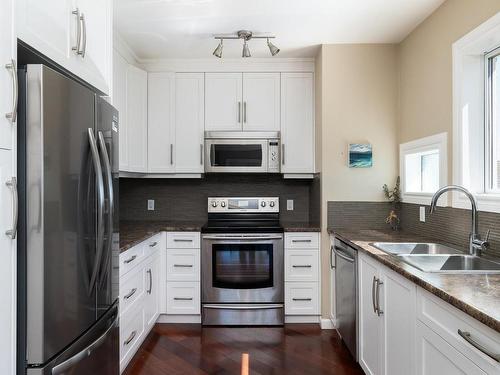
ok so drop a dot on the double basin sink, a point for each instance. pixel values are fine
(433, 257)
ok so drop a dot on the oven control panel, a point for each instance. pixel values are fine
(243, 204)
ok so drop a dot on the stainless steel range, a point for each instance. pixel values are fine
(242, 263)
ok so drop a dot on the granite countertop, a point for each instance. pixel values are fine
(301, 227)
(134, 232)
(478, 295)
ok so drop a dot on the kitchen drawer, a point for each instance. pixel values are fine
(183, 265)
(131, 289)
(301, 298)
(302, 240)
(183, 240)
(301, 265)
(446, 320)
(131, 257)
(152, 244)
(183, 298)
(131, 330)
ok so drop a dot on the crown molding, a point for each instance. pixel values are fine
(124, 49)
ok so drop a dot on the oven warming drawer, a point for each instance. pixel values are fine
(243, 314)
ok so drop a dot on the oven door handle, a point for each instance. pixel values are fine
(254, 238)
(245, 307)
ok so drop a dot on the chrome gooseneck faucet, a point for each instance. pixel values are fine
(476, 245)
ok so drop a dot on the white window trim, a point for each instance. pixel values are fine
(468, 109)
(437, 141)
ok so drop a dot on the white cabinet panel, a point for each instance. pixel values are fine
(183, 240)
(120, 68)
(137, 132)
(7, 76)
(131, 289)
(261, 101)
(189, 122)
(302, 240)
(436, 357)
(223, 101)
(183, 265)
(152, 288)
(183, 298)
(161, 138)
(302, 265)
(131, 335)
(302, 298)
(297, 122)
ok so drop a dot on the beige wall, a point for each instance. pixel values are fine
(425, 60)
(358, 103)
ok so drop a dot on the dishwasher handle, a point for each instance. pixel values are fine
(341, 254)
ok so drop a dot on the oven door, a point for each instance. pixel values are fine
(242, 268)
(236, 155)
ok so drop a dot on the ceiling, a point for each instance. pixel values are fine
(160, 29)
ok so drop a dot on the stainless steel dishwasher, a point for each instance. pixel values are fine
(346, 293)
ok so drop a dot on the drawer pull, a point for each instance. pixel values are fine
(182, 240)
(301, 240)
(130, 294)
(373, 295)
(153, 244)
(130, 338)
(302, 299)
(130, 260)
(301, 266)
(183, 265)
(467, 337)
(183, 298)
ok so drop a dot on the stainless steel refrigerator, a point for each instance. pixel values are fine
(68, 230)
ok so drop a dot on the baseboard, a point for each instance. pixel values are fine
(302, 319)
(164, 318)
(327, 323)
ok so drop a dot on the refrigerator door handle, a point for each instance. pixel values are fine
(111, 200)
(86, 352)
(100, 207)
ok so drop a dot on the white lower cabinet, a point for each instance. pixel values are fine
(183, 298)
(152, 289)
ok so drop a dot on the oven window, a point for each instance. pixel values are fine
(242, 266)
(236, 155)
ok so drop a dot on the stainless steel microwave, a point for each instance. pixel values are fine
(242, 152)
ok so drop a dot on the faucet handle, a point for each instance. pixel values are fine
(487, 237)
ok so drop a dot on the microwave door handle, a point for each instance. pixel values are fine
(231, 238)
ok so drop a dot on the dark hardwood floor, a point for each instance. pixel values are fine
(300, 349)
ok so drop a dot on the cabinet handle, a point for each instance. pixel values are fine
(12, 184)
(239, 112)
(12, 67)
(331, 258)
(302, 266)
(153, 244)
(302, 299)
(150, 281)
(379, 311)
(84, 36)
(307, 241)
(201, 153)
(130, 260)
(171, 154)
(130, 294)
(183, 265)
(373, 295)
(182, 240)
(130, 338)
(76, 47)
(283, 153)
(183, 298)
(467, 337)
(245, 112)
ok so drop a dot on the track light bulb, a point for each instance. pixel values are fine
(272, 48)
(218, 50)
(246, 50)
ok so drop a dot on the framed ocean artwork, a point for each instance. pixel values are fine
(360, 155)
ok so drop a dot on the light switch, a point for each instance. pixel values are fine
(422, 214)
(289, 204)
(151, 205)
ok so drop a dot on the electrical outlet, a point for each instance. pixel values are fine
(151, 205)
(422, 214)
(289, 204)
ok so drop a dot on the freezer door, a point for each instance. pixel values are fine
(61, 204)
(95, 353)
(107, 139)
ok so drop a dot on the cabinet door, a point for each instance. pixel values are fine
(95, 65)
(7, 76)
(161, 101)
(137, 132)
(297, 122)
(369, 321)
(7, 267)
(436, 357)
(46, 26)
(261, 101)
(397, 301)
(151, 303)
(119, 97)
(223, 101)
(189, 120)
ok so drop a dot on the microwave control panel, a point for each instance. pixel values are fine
(274, 159)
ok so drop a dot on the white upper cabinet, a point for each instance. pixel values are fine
(77, 34)
(161, 130)
(189, 120)
(261, 101)
(120, 67)
(8, 77)
(223, 101)
(137, 132)
(297, 122)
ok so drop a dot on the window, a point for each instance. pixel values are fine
(492, 122)
(423, 167)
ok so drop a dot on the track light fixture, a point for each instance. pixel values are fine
(246, 35)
